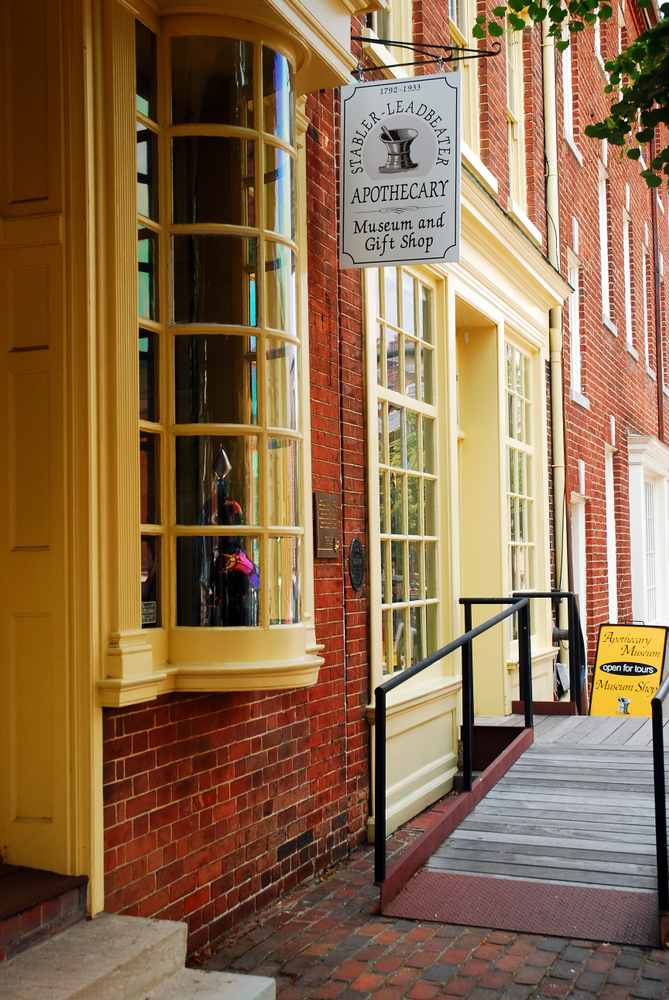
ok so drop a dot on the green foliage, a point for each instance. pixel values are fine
(638, 77)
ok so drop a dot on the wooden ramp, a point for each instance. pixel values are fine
(576, 810)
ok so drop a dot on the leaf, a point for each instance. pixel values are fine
(498, 12)
(495, 29)
(478, 31)
(633, 154)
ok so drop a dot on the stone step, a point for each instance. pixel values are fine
(202, 984)
(108, 958)
(121, 958)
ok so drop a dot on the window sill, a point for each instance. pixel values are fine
(610, 325)
(665, 390)
(116, 692)
(649, 371)
(569, 139)
(479, 168)
(630, 350)
(517, 214)
(578, 397)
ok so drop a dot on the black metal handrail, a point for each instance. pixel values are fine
(657, 713)
(520, 606)
(575, 639)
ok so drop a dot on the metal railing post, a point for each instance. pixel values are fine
(660, 804)
(467, 712)
(468, 628)
(380, 786)
(525, 662)
(574, 670)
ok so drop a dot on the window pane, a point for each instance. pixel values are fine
(416, 619)
(213, 279)
(412, 439)
(212, 81)
(150, 581)
(430, 487)
(382, 437)
(429, 457)
(213, 180)
(399, 641)
(397, 557)
(432, 615)
(408, 317)
(145, 60)
(415, 558)
(414, 502)
(284, 482)
(147, 253)
(395, 435)
(425, 314)
(277, 89)
(279, 191)
(390, 278)
(284, 576)
(217, 580)
(215, 379)
(282, 385)
(410, 368)
(379, 355)
(430, 570)
(427, 375)
(396, 504)
(392, 359)
(280, 288)
(383, 519)
(149, 477)
(217, 480)
(384, 563)
(148, 375)
(146, 172)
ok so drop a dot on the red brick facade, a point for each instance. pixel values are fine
(217, 803)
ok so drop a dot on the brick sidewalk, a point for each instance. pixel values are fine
(325, 941)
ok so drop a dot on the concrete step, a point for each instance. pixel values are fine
(121, 958)
(201, 984)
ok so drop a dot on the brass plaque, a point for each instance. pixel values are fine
(326, 520)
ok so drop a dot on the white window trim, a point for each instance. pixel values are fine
(611, 546)
(627, 277)
(648, 459)
(576, 370)
(603, 216)
(567, 98)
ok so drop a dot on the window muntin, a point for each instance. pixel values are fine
(232, 556)
(519, 470)
(407, 466)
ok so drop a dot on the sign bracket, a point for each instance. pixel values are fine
(434, 55)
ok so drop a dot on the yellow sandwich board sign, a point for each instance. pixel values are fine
(628, 669)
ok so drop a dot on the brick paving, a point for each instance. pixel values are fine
(326, 941)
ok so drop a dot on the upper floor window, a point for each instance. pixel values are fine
(515, 118)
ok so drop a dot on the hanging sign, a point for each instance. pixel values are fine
(400, 171)
(628, 669)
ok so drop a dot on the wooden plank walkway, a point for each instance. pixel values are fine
(577, 808)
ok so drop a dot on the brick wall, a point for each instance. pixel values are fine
(215, 804)
(614, 381)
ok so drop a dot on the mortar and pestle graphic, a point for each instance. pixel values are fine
(398, 145)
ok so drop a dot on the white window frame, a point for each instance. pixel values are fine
(648, 461)
(568, 96)
(603, 217)
(575, 352)
(611, 546)
(627, 282)
(515, 115)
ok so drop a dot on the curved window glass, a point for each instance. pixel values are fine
(221, 476)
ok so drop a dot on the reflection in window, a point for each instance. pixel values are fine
(280, 288)
(147, 253)
(217, 480)
(213, 276)
(519, 474)
(407, 468)
(284, 575)
(150, 581)
(149, 466)
(282, 384)
(213, 180)
(212, 81)
(215, 379)
(277, 94)
(279, 191)
(148, 375)
(218, 580)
